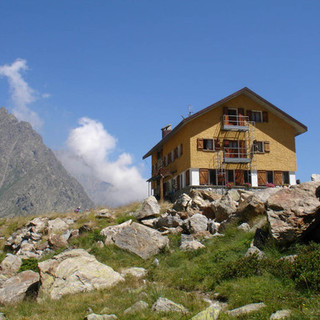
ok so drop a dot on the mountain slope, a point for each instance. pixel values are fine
(32, 180)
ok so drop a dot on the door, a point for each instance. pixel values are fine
(262, 178)
(204, 176)
(278, 178)
(239, 177)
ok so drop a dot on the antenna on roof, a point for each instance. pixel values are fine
(190, 112)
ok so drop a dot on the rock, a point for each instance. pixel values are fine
(134, 272)
(2, 316)
(94, 316)
(166, 305)
(196, 223)
(234, 194)
(191, 245)
(281, 314)
(211, 313)
(22, 285)
(100, 244)
(223, 208)
(86, 228)
(75, 271)
(315, 177)
(292, 213)
(38, 225)
(246, 309)
(198, 203)
(213, 226)
(57, 241)
(57, 226)
(244, 227)
(136, 238)
(103, 214)
(260, 238)
(149, 222)
(291, 258)
(182, 202)
(10, 265)
(150, 207)
(205, 194)
(168, 220)
(250, 208)
(156, 262)
(255, 250)
(264, 194)
(136, 307)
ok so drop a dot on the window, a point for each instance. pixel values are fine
(208, 144)
(230, 176)
(258, 147)
(212, 177)
(256, 116)
(270, 177)
(247, 176)
(166, 160)
(285, 177)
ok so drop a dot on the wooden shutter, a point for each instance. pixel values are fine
(243, 153)
(225, 111)
(181, 149)
(217, 145)
(266, 146)
(200, 144)
(187, 177)
(169, 158)
(239, 177)
(204, 176)
(225, 116)
(249, 114)
(240, 117)
(262, 178)
(278, 178)
(265, 116)
(175, 153)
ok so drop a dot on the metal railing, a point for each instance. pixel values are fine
(236, 155)
(229, 121)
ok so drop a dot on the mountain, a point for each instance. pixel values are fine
(32, 180)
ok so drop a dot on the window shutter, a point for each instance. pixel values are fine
(204, 176)
(217, 145)
(243, 153)
(266, 146)
(262, 178)
(249, 114)
(265, 116)
(278, 178)
(225, 143)
(187, 177)
(241, 111)
(181, 149)
(169, 158)
(175, 153)
(200, 144)
(239, 177)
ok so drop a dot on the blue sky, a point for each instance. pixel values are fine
(135, 66)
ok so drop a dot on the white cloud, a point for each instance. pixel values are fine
(21, 93)
(88, 159)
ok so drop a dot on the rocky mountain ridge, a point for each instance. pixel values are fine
(32, 180)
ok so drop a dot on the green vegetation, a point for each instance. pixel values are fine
(186, 277)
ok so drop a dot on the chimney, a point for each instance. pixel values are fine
(166, 130)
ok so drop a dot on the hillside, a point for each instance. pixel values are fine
(32, 180)
(240, 255)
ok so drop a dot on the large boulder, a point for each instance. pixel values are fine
(294, 213)
(315, 177)
(250, 208)
(150, 208)
(168, 220)
(75, 271)
(22, 285)
(166, 305)
(10, 265)
(182, 202)
(249, 308)
(196, 223)
(224, 208)
(136, 238)
(211, 313)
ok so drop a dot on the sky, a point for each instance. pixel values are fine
(120, 70)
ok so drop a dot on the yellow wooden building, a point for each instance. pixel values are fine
(240, 140)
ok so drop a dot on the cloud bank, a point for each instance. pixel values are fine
(87, 158)
(21, 93)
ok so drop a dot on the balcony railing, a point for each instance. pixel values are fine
(235, 122)
(236, 155)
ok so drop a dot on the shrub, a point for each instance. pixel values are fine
(29, 264)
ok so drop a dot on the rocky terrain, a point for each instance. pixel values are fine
(32, 180)
(169, 261)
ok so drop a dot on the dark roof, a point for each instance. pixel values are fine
(298, 126)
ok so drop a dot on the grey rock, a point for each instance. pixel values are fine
(251, 207)
(166, 305)
(149, 222)
(191, 245)
(27, 168)
(280, 314)
(253, 307)
(94, 316)
(196, 223)
(57, 225)
(75, 271)
(168, 220)
(57, 241)
(211, 313)
(244, 227)
(315, 177)
(136, 307)
(134, 272)
(223, 208)
(150, 208)
(254, 250)
(182, 202)
(10, 265)
(15, 289)
(264, 194)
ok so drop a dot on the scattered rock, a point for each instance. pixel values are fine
(168, 220)
(246, 309)
(249, 208)
(149, 222)
(10, 265)
(244, 227)
(136, 307)
(255, 250)
(75, 271)
(166, 305)
(103, 214)
(57, 241)
(196, 223)
(136, 238)
(211, 313)
(15, 289)
(223, 208)
(182, 202)
(315, 177)
(134, 272)
(260, 238)
(94, 316)
(281, 314)
(150, 207)
(57, 226)
(191, 245)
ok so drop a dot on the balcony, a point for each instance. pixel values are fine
(235, 122)
(236, 155)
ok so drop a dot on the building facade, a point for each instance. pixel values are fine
(240, 140)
